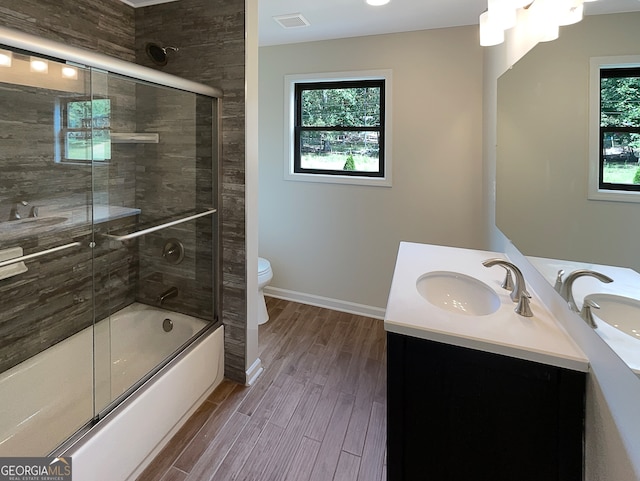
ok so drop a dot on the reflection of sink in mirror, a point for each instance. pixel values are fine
(458, 293)
(623, 313)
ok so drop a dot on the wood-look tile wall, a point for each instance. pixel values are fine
(210, 35)
(210, 38)
(52, 300)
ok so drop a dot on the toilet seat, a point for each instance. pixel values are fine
(265, 274)
(263, 266)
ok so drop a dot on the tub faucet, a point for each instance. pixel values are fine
(566, 286)
(169, 293)
(519, 293)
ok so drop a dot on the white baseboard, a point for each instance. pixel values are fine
(333, 304)
(253, 372)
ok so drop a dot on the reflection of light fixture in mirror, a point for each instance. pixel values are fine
(5, 58)
(377, 3)
(39, 65)
(70, 73)
(544, 17)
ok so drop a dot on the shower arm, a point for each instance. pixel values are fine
(133, 235)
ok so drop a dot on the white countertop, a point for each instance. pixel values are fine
(626, 282)
(539, 338)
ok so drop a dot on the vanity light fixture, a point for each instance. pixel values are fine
(377, 3)
(38, 65)
(70, 73)
(543, 18)
(6, 57)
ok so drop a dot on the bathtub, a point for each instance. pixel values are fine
(50, 396)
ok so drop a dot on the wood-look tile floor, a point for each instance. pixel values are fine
(316, 413)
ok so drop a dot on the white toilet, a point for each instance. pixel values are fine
(265, 274)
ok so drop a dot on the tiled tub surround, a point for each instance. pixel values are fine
(211, 38)
(113, 211)
(157, 181)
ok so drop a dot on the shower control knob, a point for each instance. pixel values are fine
(173, 251)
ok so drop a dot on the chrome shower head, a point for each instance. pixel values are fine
(158, 54)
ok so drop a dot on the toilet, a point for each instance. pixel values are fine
(265, 274)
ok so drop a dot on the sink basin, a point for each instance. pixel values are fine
(623, 313)
(458, 293)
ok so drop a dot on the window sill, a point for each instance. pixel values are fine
(340, 179)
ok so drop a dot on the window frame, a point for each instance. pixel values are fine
(292, 168)
(597, 188)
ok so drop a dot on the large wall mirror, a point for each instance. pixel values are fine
(542, 165)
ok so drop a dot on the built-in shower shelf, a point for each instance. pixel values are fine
(134, 138)
(15, 268)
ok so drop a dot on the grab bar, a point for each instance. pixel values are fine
(29, 257)
(140, 233)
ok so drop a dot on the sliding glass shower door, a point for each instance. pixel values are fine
(108, 228)
(46, 260)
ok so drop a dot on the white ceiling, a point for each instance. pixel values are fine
(354, 18)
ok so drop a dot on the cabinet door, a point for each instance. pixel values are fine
(461, 414)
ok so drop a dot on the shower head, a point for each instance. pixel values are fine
(158, 54)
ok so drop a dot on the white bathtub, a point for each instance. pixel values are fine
(48, 397)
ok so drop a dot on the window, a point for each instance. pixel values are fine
(619, 128)
(84, 130)
(337, 130)
(615, 130)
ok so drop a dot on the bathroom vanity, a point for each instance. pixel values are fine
(474, 390)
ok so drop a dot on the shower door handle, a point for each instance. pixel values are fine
(29, 257)
(133, 235)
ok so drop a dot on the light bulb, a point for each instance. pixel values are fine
(38, 65)
(501, 13)
(69, 73)
(490, 34)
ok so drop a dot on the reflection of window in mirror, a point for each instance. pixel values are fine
(615, 131)
(83, 130)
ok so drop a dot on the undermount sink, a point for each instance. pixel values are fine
(456, 292)
(623, 313)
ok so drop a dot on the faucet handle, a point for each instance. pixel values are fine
(558, 285)
(523, 307)
(586, 312)
(508, 280)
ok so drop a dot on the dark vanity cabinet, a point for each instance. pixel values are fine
(459, 414)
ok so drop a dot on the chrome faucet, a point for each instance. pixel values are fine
(14, 214)
(519, 292)
(587, 314)
(565, 287)
(169, 293)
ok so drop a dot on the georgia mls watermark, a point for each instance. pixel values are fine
(35, 469)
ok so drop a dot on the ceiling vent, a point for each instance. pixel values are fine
(292, 20)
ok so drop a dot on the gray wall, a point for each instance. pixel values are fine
(337, 243)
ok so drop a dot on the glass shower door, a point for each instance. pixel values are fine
(46, 342)
(153, 202)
